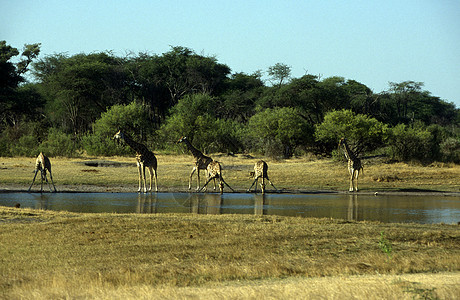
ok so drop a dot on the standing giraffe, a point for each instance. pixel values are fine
(354, 165)
(42, 164)
(214, 171)
(260, 170)
(144, 158)
(201, 162)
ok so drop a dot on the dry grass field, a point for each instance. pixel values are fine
(303, 174)
(61, 255)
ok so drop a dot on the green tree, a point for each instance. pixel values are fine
(362, 132)
(16, 104)
(278, 131)
(181, 72)
(192, 116)
(412, 142)
(79, 88)
(132, 118)
(242, 92)
(279, 73)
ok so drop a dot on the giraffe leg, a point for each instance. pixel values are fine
(190, 179)
(198, 183)
(156, 181)
(262, 185)
(204, 186)
(140, 177)
(41, 188)
(249, 189)
(221, 186)
(144, 179)
(46, 180)
(356, 180)
(36, 171)
(51, 177)
(151, 177)
(272, 184)
(351, 180)
(226, 184)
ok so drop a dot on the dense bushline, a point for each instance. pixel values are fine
(75, 104)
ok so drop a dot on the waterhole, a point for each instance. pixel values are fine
(385, 208)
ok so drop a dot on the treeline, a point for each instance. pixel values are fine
(75, 104)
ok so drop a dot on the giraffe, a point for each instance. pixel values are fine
(42, 163)
(260, 170)
(354, 165)
(214, 170)
(144, 158)
(201, 162)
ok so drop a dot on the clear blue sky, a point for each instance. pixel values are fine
(373, 42)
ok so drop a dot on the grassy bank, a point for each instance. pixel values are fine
(292, 174)
(48, 254)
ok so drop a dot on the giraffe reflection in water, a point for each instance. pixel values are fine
(206, 204)
(147, 203)
(259, 205)
(352, 210)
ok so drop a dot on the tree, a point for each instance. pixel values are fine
(362, 132)
(192, 116)
(14, 105)
(242, 91)
(279, 73)
(181, 72)
(79, 88)
(278, 131)
(403, 93)
(412, 142)
(132, 118)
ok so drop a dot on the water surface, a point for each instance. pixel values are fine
(386, 208)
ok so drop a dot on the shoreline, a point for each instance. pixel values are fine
(18, 188)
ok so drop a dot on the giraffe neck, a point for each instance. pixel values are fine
(348, 153)
(195, 152)
(138, 147)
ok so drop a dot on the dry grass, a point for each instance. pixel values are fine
(292, 174)
(49, 255)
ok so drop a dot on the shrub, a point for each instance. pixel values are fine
(278, 132)
(411, 143)
(450, 149)
(58, 144)
(133, 118)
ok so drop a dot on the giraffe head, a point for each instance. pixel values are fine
(118, 136)
(342, 141)
(221, 187)
(181, 140)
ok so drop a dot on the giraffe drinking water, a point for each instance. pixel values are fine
(42, 164)
(260, 171)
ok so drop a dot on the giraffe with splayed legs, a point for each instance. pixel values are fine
(260, 171)
(43, 164)
(144, 158)
(214, 171)
(354, 165)
(201, 162)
